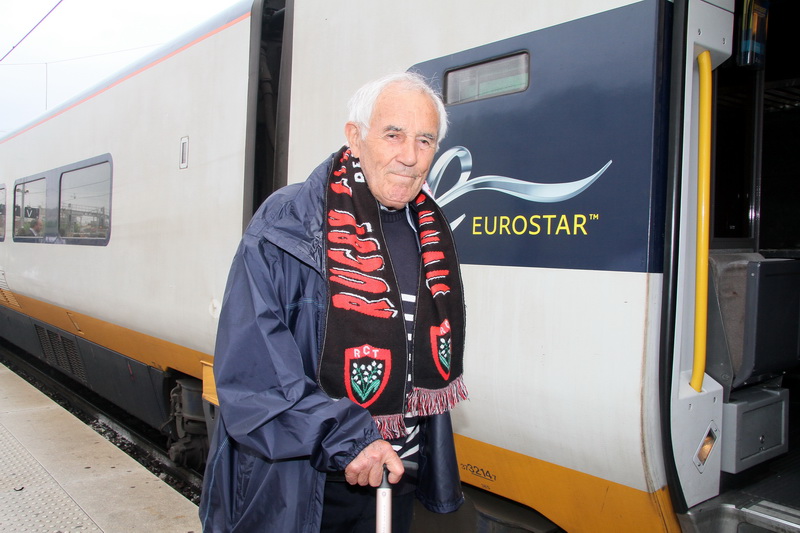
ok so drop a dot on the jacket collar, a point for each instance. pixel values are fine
(292, 218)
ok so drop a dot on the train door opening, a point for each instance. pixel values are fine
(757, 162)
(754, 267)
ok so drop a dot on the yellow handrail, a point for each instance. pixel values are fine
(703, 203)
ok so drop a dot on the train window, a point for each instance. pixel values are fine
(29, 209)
(85, 206)
(2, 214)
(506, 75)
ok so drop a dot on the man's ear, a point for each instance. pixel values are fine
(353, 135)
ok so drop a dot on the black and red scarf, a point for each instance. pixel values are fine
(365, 351)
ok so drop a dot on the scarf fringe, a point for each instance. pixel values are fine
(426, 402)
(390, 426)
(423, 402)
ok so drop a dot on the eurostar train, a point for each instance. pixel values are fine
(622, 180)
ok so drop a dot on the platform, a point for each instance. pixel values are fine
(59, 475)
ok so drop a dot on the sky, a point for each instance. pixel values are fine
(80, 43)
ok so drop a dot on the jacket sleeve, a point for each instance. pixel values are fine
(265, 364)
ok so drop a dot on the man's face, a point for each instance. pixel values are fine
(398, 150)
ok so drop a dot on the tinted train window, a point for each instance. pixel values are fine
(2, 213)
(506, 75)
(85, 207)
(29, 209)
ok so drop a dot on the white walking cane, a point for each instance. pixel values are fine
(383, 505)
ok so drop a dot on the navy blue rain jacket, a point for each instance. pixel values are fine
(278, 434)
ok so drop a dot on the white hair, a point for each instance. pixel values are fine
(362, 103)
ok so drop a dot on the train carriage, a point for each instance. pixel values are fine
(618, 177)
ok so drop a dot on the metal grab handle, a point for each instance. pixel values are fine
(383, 505)
(703, 208)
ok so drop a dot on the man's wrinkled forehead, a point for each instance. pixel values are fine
(397, 100)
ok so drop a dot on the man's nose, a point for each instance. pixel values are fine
(408, 153)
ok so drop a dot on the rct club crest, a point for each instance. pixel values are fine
(441, 347)
(367, 372)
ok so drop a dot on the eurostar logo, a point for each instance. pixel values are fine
(525, 190)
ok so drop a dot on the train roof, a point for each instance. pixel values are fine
(198, 33)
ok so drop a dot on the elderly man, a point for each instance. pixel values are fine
(341, 335)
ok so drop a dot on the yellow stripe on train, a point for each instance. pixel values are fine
(576, 501)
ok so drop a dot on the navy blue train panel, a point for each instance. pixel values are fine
(569, 172)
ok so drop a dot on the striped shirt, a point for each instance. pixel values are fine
(400, 233)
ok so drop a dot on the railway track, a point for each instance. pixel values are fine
(146, 445)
